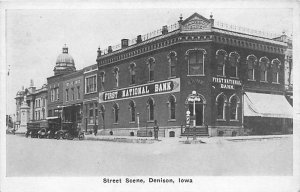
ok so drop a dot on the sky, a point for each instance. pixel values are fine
(35, 37)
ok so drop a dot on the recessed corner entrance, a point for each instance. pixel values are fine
(198, 111)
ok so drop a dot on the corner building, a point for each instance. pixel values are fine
(154, 76)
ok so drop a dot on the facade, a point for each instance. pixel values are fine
(153, 79)
(36, 100)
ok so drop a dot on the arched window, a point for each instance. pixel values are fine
(116, 112)
(116, 74)
(195, 61)
(234, 101)
(150, 106)
(221, 101)
(132, 68)
(172, 108)
(263, 66)
(151, 63)
(251, 63)
(275, 64)
(172, 57)
(132, 111)
(102, 80)
(221, 56)
(234, 59)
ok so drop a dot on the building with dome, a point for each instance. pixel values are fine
(64, 63)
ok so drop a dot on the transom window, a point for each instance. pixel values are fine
(195, 61)
(221, 56)
(251, 63)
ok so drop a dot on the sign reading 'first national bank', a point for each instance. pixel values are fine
(161, 87)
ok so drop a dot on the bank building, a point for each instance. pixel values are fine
(230, 79)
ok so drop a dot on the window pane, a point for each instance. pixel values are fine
(233, 108)
(196, 63)
(220, 107)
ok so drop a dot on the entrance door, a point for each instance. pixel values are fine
(199, 113)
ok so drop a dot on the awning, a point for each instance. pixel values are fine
(267, 105)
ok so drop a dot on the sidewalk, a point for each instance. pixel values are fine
(150, 140)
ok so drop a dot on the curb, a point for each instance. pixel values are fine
(119, 139)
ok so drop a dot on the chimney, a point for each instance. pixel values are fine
(124, 43)
(212, 21)
(109, 50)
(164, 29)
(138, 39)
(99, 52)
(180, 22)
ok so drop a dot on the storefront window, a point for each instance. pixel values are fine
(132, 111)
(91, 113)
(96, 113)
(150, 106)
(172, 108)
(233, 108)
(221, 106)
(116, 112)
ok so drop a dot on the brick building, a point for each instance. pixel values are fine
(236, 77)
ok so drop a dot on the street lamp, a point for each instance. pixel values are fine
(193, 98)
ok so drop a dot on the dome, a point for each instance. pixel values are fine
(64, 63)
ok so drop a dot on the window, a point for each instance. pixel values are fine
(102, 80)
(132, 68)
(43, 113)
(50, 113)
(102, 112)
(221, 101)
(233, 107)
(52, 94)
(221, 57)
(44, 102)
(195, 61)
(39, 102)
(91, 113)
(263, 65)
(116, 112)
(234, 58)
(275, 70)
(132, 111)
(78, 92)
(39, 115)
(57, 94)
(172, 57)
(91, 84)
(96, 113)
(251, 63)
(151, 63)
(73, 94)
(116, 74)
(67, 94)
(150, 106)
(172, 108)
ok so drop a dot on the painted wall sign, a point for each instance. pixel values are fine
(226, 83)
(168, 86)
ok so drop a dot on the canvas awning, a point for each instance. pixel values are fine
(267, 105)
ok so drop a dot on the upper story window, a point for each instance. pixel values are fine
(52, 94)
(251, 63)
(195, 61)
(275, 64)
(234, 59)
(73, 94)
(132, 71)
(91, 84)
(151, 63)
(78, 92)
(67, 94)
(102, 80)
(172, 58)
(116, 75)
(57, 93)
(221, 57)
(263, 66)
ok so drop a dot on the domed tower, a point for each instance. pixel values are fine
(64, 63)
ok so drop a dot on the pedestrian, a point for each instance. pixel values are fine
(95, 130)
(156, 128)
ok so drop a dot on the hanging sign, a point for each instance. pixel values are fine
(168, 86)
(226, 83)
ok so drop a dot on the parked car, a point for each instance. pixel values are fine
(32, 130)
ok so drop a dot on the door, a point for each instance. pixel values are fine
(199, 113)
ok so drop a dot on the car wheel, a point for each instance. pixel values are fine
(81, 137)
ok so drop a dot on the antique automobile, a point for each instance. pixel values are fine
(32, 130)
(69, 130)
(54, 125)
(42, 133)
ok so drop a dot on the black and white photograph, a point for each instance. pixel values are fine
(150, 96)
